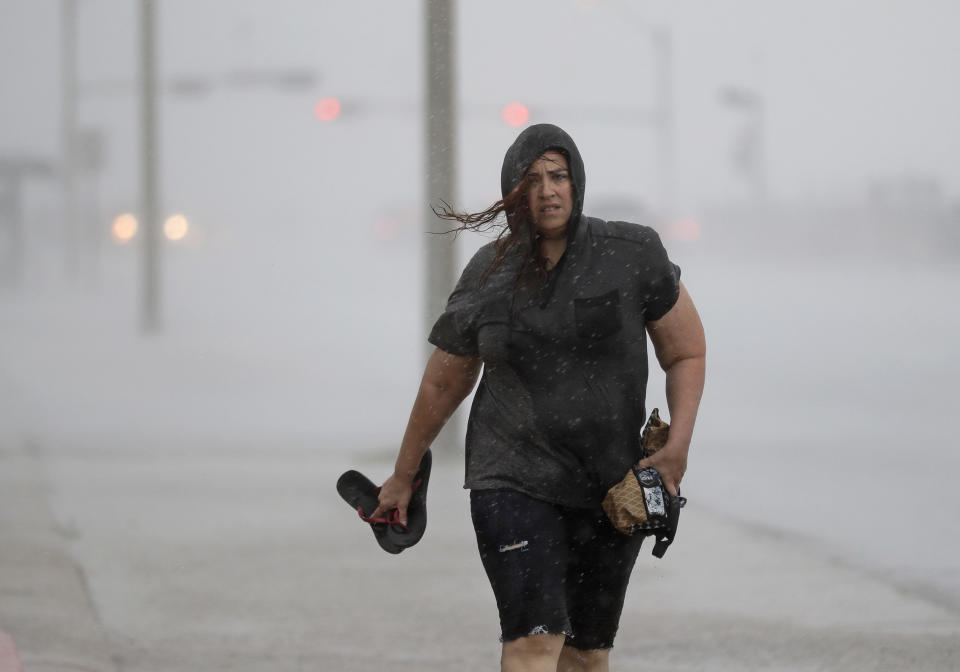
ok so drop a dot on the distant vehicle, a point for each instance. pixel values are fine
(626, 208)
(620, 208)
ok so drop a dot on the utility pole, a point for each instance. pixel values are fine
(11, 219)
(440, 154)
(150, 308)
(13, 173)
(68, 136)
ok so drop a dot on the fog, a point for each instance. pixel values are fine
(810, 193)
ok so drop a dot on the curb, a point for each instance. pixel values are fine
(44, 605)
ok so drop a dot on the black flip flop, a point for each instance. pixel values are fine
(406, 536)
(361, 494)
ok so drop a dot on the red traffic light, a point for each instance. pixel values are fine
(515, 114)
(327, 109)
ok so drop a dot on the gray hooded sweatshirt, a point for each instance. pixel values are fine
(560, 405)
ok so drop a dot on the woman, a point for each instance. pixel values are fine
(556, 313)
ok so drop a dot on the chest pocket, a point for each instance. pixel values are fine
(598, 316)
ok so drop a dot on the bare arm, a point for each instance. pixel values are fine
(447, 380)
(680, 346)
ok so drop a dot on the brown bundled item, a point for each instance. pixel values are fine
(640, 503)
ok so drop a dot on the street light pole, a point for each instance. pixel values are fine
(662, 118)
(150, 307)
(664, 62)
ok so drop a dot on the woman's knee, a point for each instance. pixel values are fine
(575, 660)
(532, 653)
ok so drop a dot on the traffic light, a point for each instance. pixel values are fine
(327, 109)
(515, 114)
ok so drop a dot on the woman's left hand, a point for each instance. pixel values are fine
(671, 462)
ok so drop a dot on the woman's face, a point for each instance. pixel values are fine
(550, 194)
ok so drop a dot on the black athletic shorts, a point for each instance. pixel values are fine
(554, 570)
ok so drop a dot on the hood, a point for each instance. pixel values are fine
(528, 147)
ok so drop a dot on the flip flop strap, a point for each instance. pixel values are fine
(393, 515)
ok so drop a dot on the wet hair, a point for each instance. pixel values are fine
(518, 234)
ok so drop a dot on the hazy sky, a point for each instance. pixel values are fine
(853, 90)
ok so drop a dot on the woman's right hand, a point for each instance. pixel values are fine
(447, 380)
(395, 493)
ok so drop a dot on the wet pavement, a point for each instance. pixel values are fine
(185, 557)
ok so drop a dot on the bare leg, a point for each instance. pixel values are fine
(575, 660)
(536, 653)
